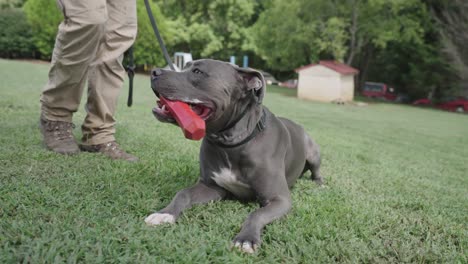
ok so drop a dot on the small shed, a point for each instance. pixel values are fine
(326, 81)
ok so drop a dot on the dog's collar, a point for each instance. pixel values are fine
(259, 127)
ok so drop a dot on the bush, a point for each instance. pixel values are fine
(11, 3)
(43, 17)
(15, 34)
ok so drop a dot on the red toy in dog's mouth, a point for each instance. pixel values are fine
(200, 110)
(189, 116)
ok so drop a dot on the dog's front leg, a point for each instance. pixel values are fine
(197, 194)
(248, 239)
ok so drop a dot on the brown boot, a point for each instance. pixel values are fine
(111, 150)
(58, 136)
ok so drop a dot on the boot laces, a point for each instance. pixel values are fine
(113, 147)
(61, 130)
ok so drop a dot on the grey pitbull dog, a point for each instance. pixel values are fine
(248, 153)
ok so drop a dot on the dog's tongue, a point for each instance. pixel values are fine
(192, 125)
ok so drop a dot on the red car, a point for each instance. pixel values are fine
(379, 91)
(454, 104)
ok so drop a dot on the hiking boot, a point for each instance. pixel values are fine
(111, 150)
(58, 136)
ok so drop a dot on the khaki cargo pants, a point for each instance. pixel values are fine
(89, 47)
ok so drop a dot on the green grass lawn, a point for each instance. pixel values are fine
(397, 187)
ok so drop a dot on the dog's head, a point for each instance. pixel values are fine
(217, 91)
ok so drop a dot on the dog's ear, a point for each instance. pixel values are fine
(254, 82)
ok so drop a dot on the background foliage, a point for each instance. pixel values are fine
(15, 35)
(418, 46)
(43, 17)
(147, 51)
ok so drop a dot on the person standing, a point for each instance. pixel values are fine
(89, 47)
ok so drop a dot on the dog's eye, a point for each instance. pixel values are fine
(197, 71)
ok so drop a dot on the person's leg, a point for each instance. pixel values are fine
(106, 77)
(75, 47)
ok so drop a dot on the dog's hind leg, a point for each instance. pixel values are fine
(313, 160)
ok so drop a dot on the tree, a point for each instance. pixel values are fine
(420, 65)
(213, 28)
(376, 24)
(43, 17)
(452, 26)
(367, 34)
(293, 33)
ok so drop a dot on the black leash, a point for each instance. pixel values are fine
(158, 36)
(131, 65)
(131, 74)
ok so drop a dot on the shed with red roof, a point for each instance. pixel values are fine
(326, 81)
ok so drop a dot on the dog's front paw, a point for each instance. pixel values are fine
(247, 243)
(158, 219)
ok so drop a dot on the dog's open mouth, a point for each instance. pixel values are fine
(162, 113)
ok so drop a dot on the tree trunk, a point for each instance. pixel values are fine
(353, 32)
(453, 29)
(365, 60)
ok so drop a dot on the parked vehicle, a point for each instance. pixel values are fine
(379, 91)
(182, 58)
(452, 103)
(269, 79)
(292, 83)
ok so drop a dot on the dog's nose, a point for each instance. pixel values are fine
(155, 73)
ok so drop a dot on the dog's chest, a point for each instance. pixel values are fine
(228, 180)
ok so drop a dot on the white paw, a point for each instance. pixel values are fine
(246, 247)
(157, 219)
